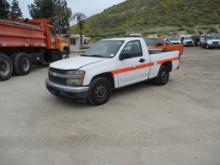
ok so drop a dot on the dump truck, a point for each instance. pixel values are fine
(28, 42)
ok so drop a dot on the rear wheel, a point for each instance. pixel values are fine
(65, 54)
(163, 76)
(100, 91)
(22, 64)
(6, 67)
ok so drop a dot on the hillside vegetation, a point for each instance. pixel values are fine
(140, 15)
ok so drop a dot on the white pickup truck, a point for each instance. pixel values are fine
(110, 64)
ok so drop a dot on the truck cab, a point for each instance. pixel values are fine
(187, 40)
(154, 43)
(213, 41)
(173, 40)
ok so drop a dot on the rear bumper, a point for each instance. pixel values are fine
(74, 92)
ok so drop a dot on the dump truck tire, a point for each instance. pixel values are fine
(6, 67)
(22, 64)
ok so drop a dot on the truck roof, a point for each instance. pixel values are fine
(124, 39)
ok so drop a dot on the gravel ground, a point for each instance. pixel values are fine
(142, 124)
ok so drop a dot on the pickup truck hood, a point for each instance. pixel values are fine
(75, 63)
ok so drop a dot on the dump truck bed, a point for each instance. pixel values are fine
(20, 34)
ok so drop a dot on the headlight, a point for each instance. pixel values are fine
(75, 77)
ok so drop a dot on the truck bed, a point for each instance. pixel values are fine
(18, 34)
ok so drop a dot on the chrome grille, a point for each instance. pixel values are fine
(52, 76)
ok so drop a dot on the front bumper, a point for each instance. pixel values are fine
(214, 45)
(188, 44)
(74, 92)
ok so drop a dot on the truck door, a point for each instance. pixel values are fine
(133, 65)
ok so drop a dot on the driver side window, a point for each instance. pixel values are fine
(132, 49)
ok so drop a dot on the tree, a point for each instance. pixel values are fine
(62, 18)
(42, 9)
(56, 10)
(4, 9)
(80, 20)
(212, 29)
(15, 9)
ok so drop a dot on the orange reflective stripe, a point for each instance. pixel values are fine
(129, 69)
(122, 70)
(141, 66)
(167, 60)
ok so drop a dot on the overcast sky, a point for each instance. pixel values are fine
(88, 7)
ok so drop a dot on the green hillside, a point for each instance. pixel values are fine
(140, 15)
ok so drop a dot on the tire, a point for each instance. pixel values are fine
(12, 56)
(163, 76)
(22, 64)
(100, 91)
(65, 54)
(6, 67)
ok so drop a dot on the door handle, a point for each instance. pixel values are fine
(142, 60)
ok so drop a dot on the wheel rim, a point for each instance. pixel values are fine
(4, 68)
(100, 91)
(25, 64)
(164, 76)
(65, 56)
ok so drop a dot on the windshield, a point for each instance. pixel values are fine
(187, 38)
(150, 41)
(104, 49)
(173, 39)
(213, 37)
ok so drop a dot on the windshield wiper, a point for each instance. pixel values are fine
(94, 55)
(85, 55)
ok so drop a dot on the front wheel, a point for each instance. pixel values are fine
(65, 54)
(100, 91)
(163, 76)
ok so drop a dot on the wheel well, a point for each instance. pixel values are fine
(66, 48)
(169, 65)
(107, 75)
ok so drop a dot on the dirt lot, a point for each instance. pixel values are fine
(144, 124)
